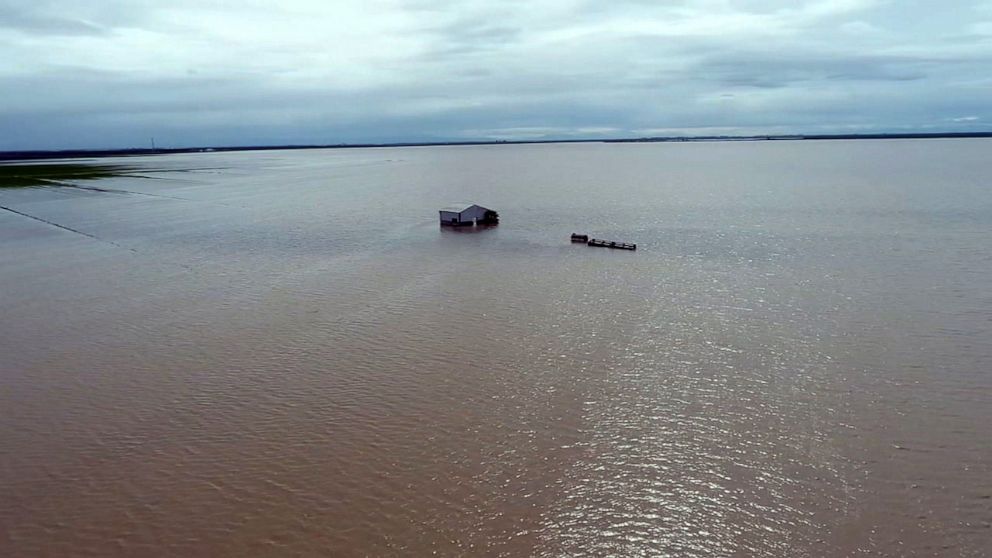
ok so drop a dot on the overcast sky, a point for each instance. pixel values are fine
(114, 73)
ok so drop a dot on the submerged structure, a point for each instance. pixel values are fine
(584, 238)
(461, 216)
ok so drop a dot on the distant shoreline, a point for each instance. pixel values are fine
(92, 153)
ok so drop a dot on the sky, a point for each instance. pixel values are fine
(117, 73)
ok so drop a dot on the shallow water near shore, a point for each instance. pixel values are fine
(282, 353)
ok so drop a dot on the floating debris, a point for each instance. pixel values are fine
(576, 237)
(611, 244)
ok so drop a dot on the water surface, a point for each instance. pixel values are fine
(281, 353)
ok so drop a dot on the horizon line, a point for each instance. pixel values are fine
(104, 152)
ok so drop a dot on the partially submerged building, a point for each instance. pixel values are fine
(461, 216)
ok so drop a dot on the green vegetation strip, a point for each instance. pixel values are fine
(18, 176)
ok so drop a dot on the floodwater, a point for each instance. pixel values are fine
(281, 353)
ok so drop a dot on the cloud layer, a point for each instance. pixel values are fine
(83, 74)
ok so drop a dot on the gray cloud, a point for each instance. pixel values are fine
(111, 74)
(781, 70)
(35, 21)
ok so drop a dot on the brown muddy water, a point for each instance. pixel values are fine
(281, 353)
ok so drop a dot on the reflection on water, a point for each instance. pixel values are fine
(282, 353)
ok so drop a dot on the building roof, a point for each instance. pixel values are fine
(461, 208)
